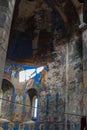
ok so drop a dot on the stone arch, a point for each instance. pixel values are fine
(8, 84)
(32, 92)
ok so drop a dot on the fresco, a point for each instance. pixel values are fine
(36, 28)
(51, 105)
(18, 102)
(67, 61)
(58, 86)
(75, 77)
(18, 106)
(7, 98)
(51, 85)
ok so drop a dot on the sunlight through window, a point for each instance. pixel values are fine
(40, 69)
(29, 73)
(35, 108)
(22, 76)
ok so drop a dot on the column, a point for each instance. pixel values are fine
(6, 13)
(84, 88)
(83, 27)
(84, 37)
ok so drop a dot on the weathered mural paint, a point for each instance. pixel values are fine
(75, 78)
(63, 74)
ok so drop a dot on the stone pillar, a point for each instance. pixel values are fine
(6, 13)
(84, 37)
(83, 27)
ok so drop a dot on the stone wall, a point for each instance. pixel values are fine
(6, 12)
(59, 92)
(75, 78)
(61, 100)
(84, 90)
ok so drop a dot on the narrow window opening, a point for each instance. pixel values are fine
(35, 108)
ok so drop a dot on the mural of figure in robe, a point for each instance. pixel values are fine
(21, 127)
(27, 108)
(10, 126)
(43, 77)
(18, 106)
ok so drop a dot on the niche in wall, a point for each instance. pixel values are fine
(7, 99)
